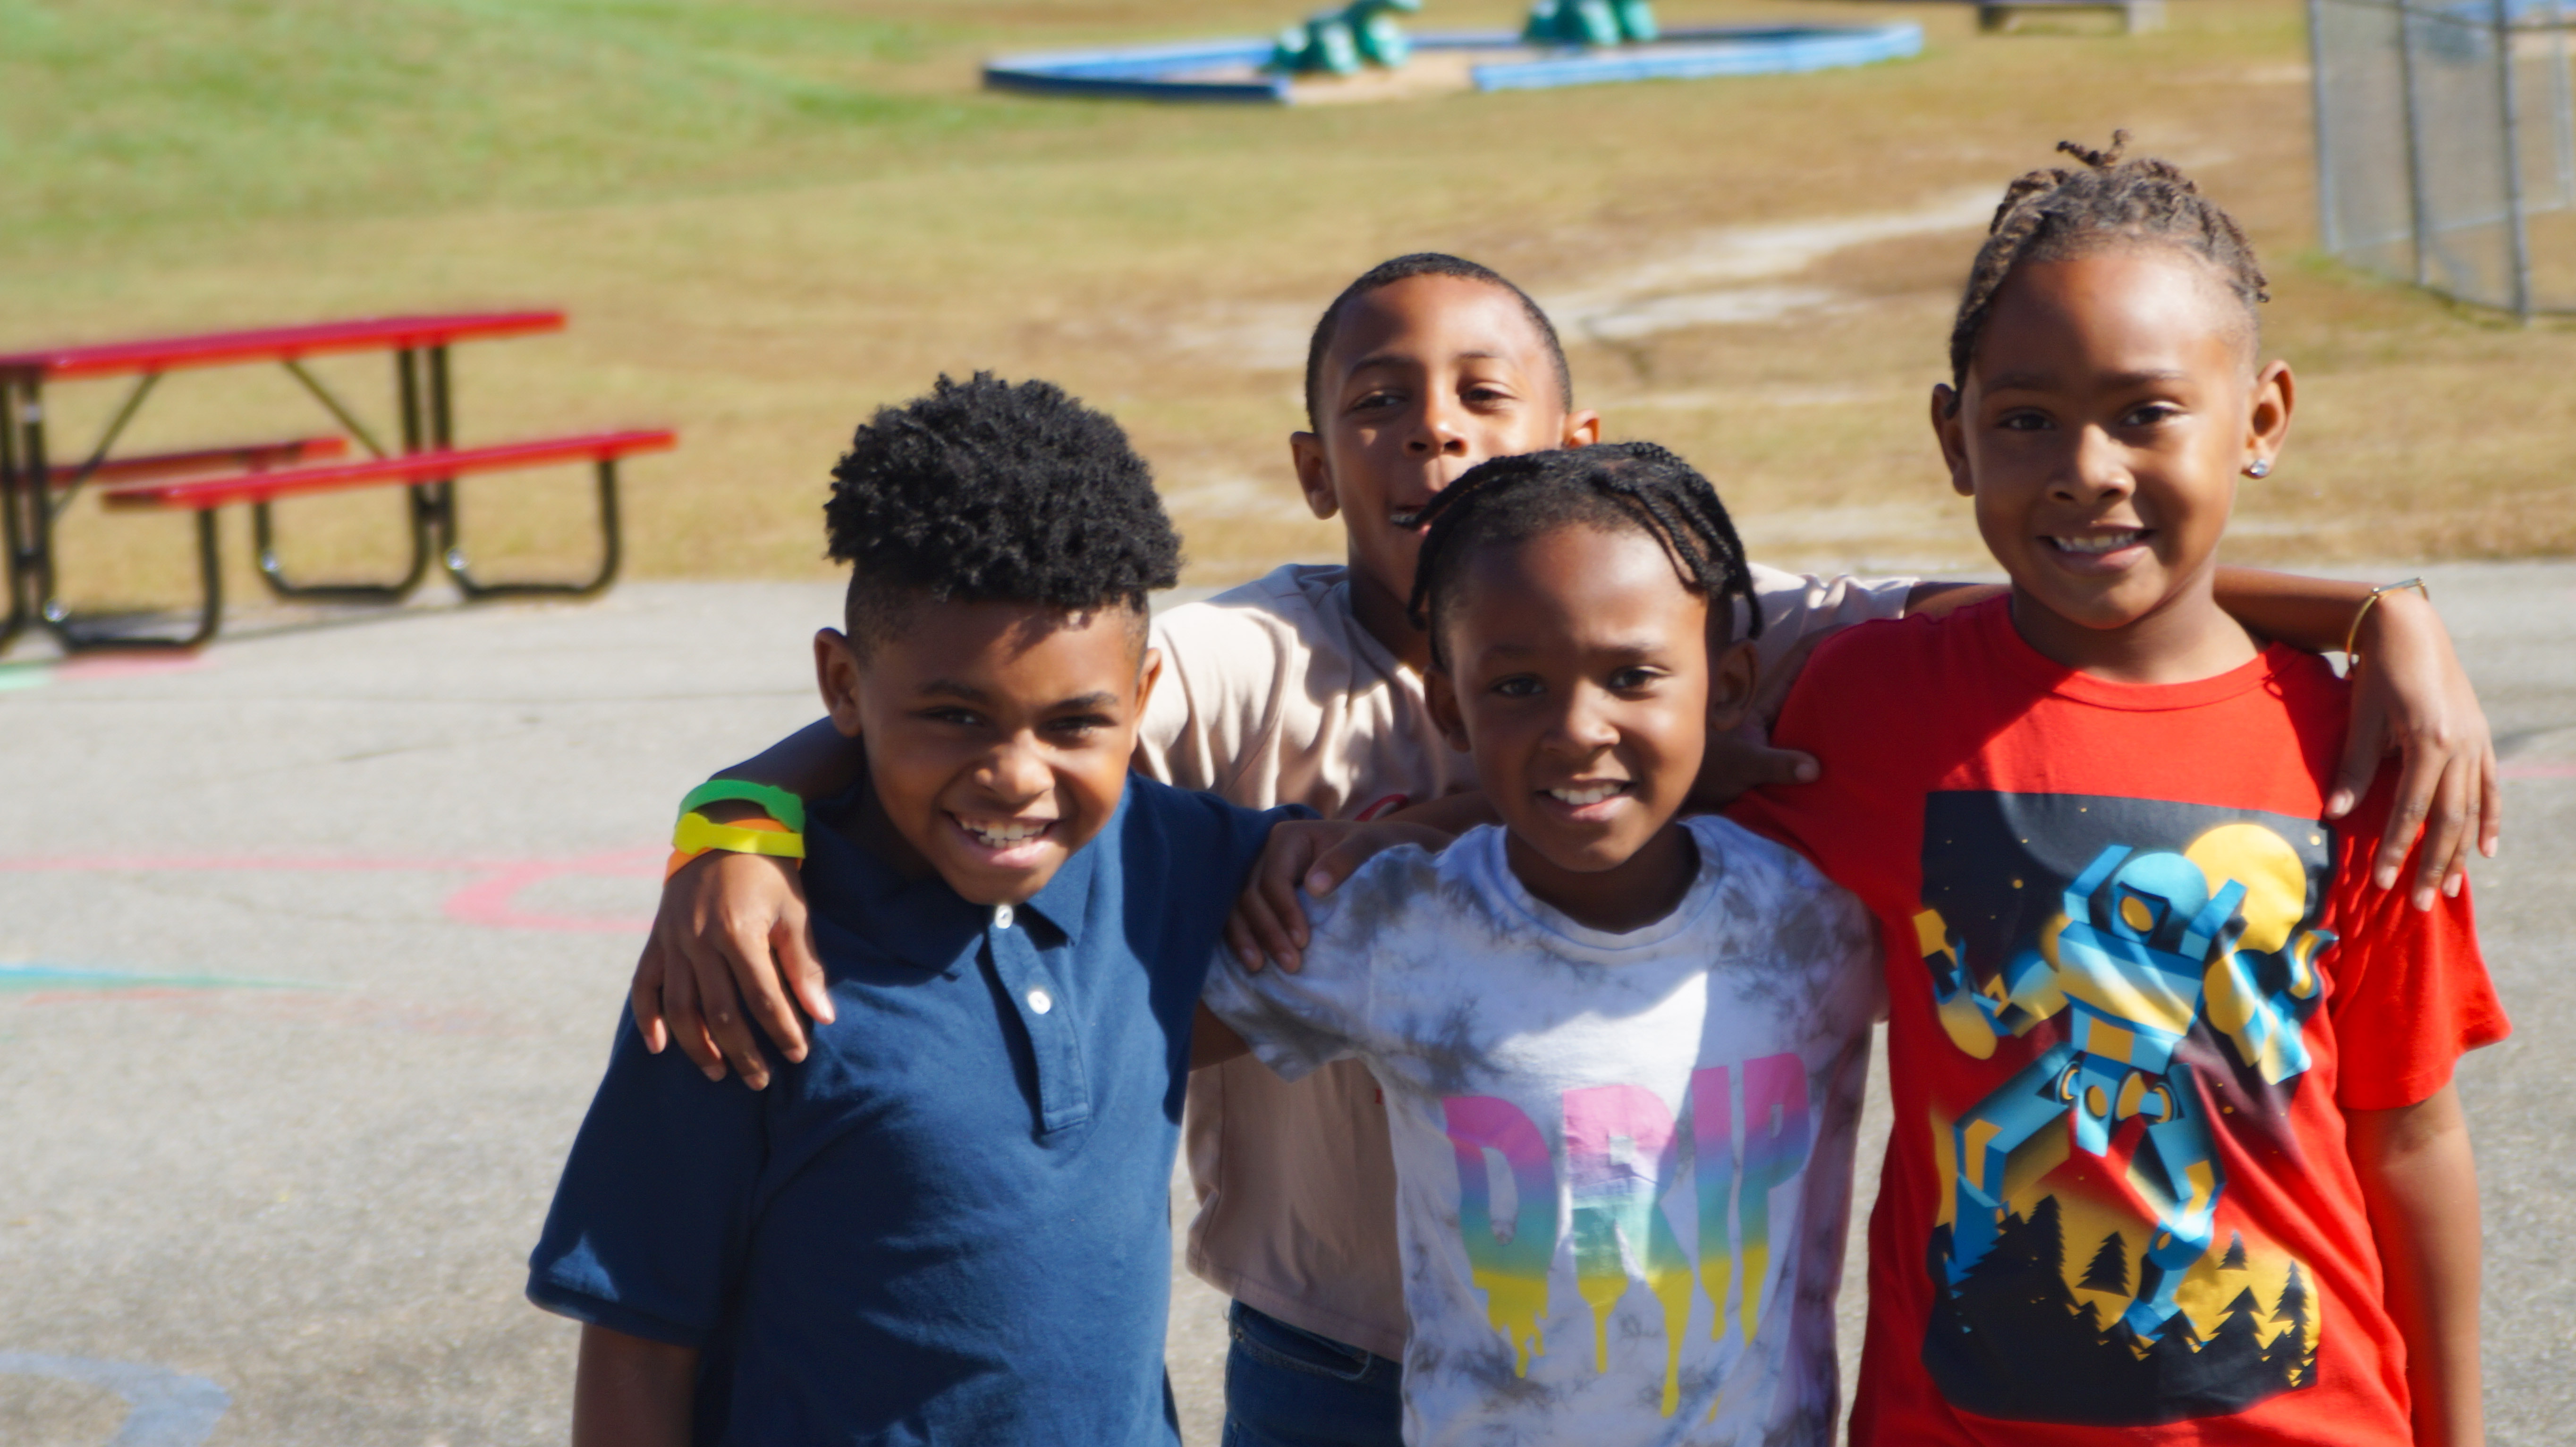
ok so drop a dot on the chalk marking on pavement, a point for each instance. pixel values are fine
(490, 902)
(163, 1408)
(23, 975)
(15, 677)
(2540, 769)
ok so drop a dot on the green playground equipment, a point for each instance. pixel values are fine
(1339, 42)
(1365, 32)
(1590, 22)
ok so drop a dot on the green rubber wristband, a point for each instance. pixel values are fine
(783, 806)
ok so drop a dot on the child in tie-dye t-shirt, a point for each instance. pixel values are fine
(1622, 1054)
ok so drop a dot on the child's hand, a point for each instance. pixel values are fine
(730, 926)
(1317, 854)
(2411, 696)
(1744, 760)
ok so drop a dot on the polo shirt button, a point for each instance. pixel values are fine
(1041, 1001)
(1001, 916)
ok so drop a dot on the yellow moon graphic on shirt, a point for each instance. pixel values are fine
(2276, 883)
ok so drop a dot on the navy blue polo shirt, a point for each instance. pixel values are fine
(951, 1222)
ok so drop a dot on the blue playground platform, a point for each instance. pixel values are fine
(1232, 70)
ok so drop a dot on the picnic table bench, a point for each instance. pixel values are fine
(34, 490)
(248, 456)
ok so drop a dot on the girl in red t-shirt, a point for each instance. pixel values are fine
(2177, 1155)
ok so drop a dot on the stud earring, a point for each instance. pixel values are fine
(2258, 468)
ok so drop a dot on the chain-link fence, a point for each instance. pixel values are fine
(2446, 144)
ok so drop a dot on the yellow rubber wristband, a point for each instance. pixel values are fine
(697, 834)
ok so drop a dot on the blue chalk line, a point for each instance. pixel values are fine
(164, 1408)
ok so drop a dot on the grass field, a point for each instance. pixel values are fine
(767, 218)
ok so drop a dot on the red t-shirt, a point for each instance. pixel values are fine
(2133, 984)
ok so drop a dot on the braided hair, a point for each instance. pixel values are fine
(2059, 212)
(1612, 485)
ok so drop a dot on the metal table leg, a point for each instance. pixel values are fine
(453, 557)
(35, 542)
(609, 556)
(13, 529)
(421, 505)
(79, 632)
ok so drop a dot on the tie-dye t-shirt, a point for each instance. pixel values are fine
(1623, 1161)
(1273, 693)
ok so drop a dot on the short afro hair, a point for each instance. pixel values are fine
(1404, 268)
(991, 491)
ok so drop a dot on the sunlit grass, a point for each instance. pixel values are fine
(767, 219)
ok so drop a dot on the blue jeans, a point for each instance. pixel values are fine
(1288, 1387)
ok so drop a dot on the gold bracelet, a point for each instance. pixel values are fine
(2352, 636)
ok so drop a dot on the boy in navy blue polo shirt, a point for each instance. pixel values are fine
(949, 1223)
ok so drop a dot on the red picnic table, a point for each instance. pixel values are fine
(34, 491)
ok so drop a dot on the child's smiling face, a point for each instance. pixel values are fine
(1424, 378)
(2111, 403)
(998, 736)
(1580, 672)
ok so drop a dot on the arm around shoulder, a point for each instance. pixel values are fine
(2412, 699)
(1299, 1018)
(815, 762)
(1315, 856)
(731, 947)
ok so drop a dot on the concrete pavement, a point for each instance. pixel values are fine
(310, 949)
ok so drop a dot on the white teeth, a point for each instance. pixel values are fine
(1593, 794)
(1006, 833)
(2093, 544)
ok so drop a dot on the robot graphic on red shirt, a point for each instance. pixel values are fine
(2149, 943)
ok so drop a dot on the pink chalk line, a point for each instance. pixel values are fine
(2540, 769)
(491, 901)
